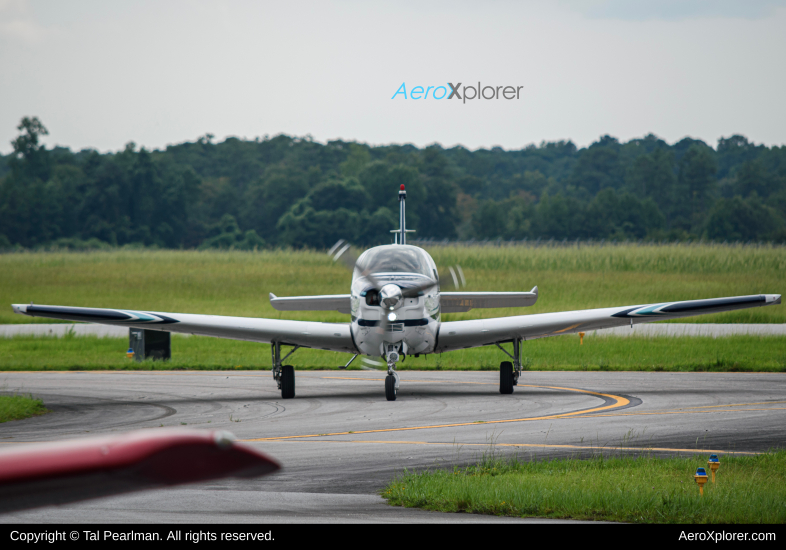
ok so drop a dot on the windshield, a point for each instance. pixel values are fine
(394, 259)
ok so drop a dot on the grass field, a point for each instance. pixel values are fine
(17, 407)
(238, 283)
(687, 354)
(749, 489)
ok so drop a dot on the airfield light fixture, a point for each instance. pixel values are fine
(714, 464)
(701, 479)
(130, 353)
(581, 338)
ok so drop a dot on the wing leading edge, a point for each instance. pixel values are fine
(328, 336)
(482, 332)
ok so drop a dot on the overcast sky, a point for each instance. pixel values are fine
(102, 73)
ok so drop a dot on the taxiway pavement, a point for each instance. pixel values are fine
(340, 441)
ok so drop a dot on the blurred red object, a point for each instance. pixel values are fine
(40, 474)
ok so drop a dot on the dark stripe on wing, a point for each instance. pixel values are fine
(698, 305)
(79, 314)
(625, 313)
(692, 305)
(95, 315)
(164, 319)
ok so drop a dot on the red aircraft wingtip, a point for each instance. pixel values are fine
(66, 471)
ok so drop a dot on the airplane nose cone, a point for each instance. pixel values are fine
(390, 296)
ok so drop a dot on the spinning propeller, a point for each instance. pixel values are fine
(459, 278)
(389, 294)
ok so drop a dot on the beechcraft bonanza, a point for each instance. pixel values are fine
(395, 304)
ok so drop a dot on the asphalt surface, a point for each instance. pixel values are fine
(340, 441)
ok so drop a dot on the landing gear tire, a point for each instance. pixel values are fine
(287, 382)
(506, 377)
(390, 387)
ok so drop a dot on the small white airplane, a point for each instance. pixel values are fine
(395, 305)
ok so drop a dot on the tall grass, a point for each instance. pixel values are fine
(645, 489)
(238, 283)
(593, 276)
(672, 258)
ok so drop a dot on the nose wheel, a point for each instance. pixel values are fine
(390, 387)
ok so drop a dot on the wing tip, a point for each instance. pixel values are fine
(772, 299)
(19, 308)
(534, 290)
(273, 302)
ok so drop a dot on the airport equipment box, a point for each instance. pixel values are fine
(149, 344)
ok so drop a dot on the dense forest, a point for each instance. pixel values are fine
(289, 191)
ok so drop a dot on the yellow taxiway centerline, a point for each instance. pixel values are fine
(534, 445)
(549, 417)
(619, 402)
(692, 412)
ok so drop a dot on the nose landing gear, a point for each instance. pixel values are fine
(392, 355)
(391, 386)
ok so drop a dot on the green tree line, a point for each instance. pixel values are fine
(289, 191)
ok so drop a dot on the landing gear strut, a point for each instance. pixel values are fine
(283, 375)
(509, 372)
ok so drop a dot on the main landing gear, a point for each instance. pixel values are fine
(287, 384)
(509, 372)
(284, 375)
(506, 377)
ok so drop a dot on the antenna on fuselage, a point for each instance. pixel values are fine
(402, 230)
(402, 199)
(401, 233)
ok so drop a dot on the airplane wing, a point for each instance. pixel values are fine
(41, 474)
(310, 334)
(328, 302)
(482, 332)
(454, 302)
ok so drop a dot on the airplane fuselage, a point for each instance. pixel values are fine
(380, 317)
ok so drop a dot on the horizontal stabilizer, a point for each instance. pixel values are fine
(327, 302)
(454, 302)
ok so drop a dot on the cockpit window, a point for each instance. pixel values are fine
(394, 259)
